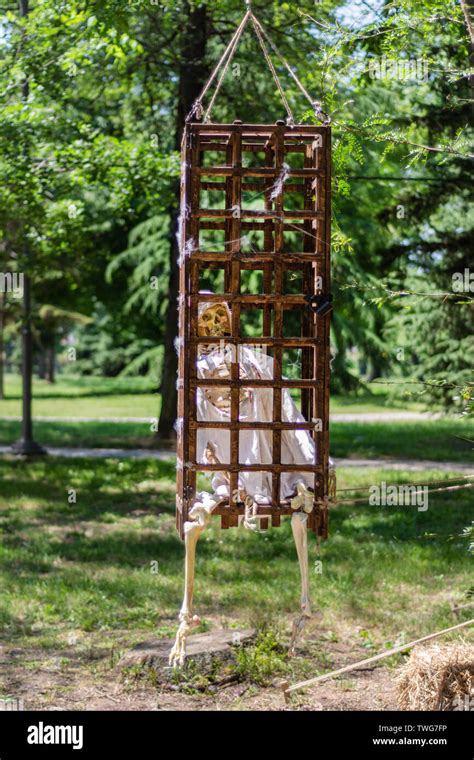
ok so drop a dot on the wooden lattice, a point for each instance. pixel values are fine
(289, 168)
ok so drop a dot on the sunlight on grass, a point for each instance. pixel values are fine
(113, 560)
(78, 396)
(437, 440)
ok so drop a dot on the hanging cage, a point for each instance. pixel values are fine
(254, 243)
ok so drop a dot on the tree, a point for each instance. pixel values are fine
(110, 85)
(407, 124)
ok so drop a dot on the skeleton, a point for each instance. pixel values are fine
(213, 403)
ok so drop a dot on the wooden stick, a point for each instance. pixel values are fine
(347, 668)
(455, 609)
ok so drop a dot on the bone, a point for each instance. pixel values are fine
(192, 531)
(298, 526)
(200, 515)
(250, 520)
(304, 499)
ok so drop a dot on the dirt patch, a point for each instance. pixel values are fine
(88, 677)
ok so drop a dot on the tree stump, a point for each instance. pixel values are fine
(203, 650)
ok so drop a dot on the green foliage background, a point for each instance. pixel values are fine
(89, 170)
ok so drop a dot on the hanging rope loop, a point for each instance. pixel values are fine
(258, 29)
(229, 54)
(320, 114)
(197, 111)
(229, 51)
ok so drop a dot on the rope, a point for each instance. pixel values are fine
(232, 48)
(257, 28)
(432, 490)
(314, 103)
(426, 483)
(197, 107)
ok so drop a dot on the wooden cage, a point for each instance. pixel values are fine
(288, 167)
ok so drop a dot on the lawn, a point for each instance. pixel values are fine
(437, 440)
(89, 434)
(79, 386)
(74, 396)
(112, 560)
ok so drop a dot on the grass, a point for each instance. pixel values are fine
(78, 386)
(74, 396)
(377, 399)
(437, 440)
(145, 405)
(127, 435)
(112, 559)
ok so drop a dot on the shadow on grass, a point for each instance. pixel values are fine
(98, 434)
(437, 440)
(99, 573)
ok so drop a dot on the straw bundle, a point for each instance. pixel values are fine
(438, 677)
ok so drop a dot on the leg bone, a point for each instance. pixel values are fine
(299, 525)
(200, 515)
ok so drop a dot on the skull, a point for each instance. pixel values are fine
(214, 321)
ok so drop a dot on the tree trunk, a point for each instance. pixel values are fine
(191, 81)
(41, 363)
(50, 361)
(26, 446)
(375, 366)
(2, 347)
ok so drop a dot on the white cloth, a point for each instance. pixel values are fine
(255, 446)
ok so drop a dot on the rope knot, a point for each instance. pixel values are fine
(197, 110)
(318, 110)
